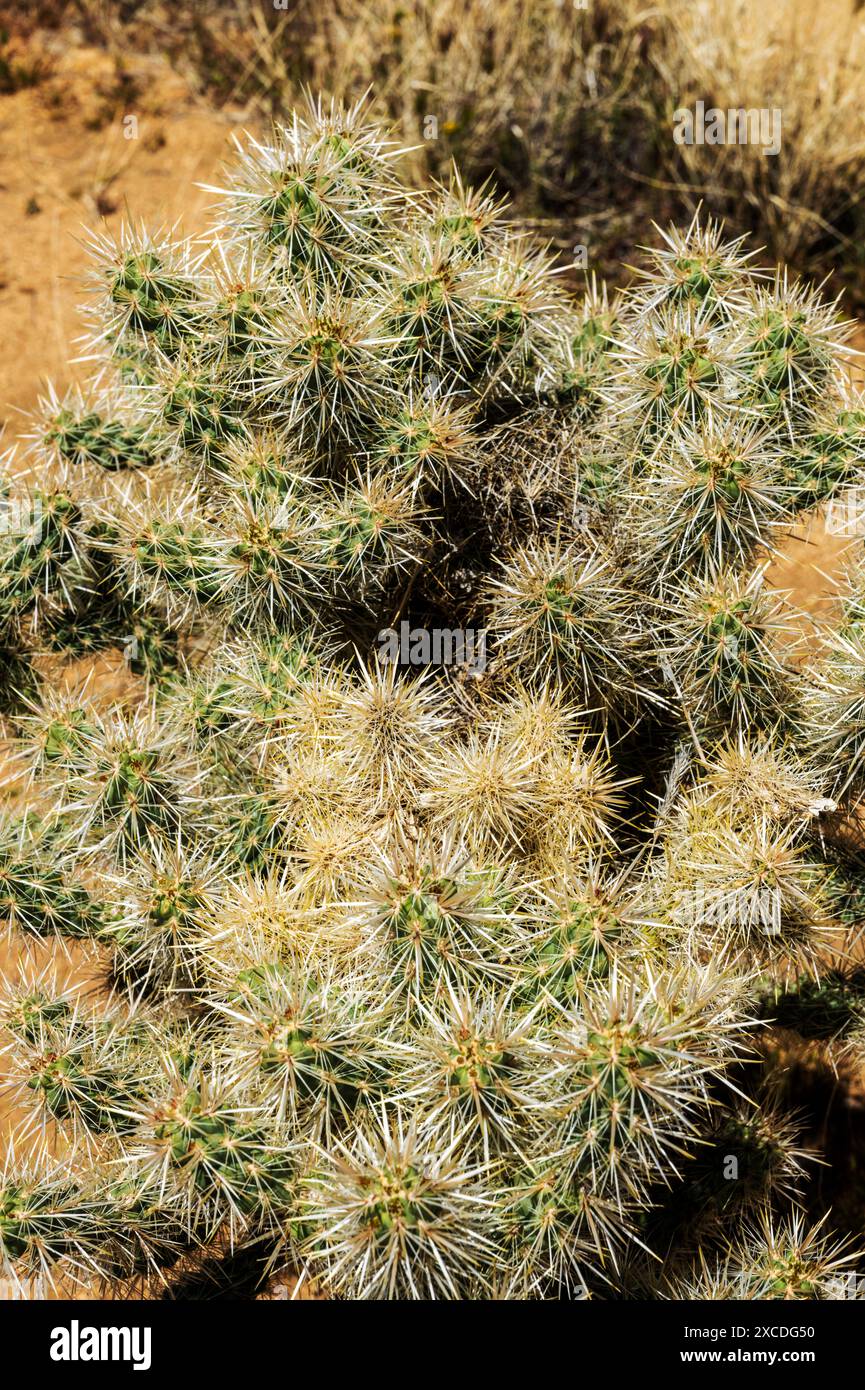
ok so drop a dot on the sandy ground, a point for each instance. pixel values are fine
(68, 168)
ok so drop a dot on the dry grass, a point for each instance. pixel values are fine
(807, 61)
(569, 109)
(534, 91)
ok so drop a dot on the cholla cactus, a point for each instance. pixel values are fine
(571, 608)
(81, 1070)
(833, 713)
(436, 982)
(778, 1260)
(47, 1217)
(398, 1215)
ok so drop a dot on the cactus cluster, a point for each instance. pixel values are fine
(441, 983)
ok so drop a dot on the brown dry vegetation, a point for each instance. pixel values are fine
(569, 108)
